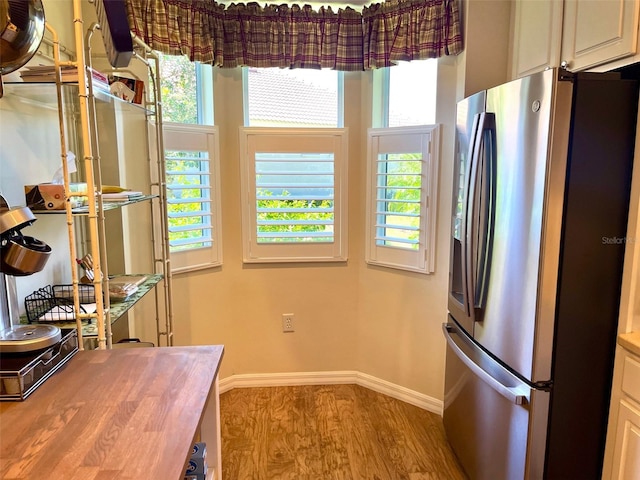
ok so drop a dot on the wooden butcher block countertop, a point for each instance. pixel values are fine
(110, 415)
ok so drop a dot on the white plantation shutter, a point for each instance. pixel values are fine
(189, 199)
(193, 196)
(294, 194)
(402, 171)
(295, 197)
(399, 199)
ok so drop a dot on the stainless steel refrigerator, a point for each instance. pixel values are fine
(541, 195)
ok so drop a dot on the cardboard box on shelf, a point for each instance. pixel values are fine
(51, 196)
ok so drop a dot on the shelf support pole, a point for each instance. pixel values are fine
(92, 218)
(65, 171)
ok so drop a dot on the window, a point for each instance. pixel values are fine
(191, 164)
(297, 98)
(402, 172)
(405, 94)
(187, 90)
(193, 193)
(294, 194)
(293, 163)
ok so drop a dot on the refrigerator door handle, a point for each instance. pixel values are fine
(467, 224)
(465, 257)
(515, 394)
(487, 207)
(480, 212)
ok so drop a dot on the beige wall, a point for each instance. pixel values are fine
(399, 336)
(59, 14)
(485, 59)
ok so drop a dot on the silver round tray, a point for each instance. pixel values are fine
(27, 338)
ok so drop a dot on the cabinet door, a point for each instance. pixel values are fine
(536, 36)
(626, 456)
(598, 31)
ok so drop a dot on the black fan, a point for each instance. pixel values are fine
(112, 16)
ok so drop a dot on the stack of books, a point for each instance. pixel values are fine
(68, 74)
(125, 196)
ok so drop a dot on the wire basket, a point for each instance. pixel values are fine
(59, 297)
(22, 374)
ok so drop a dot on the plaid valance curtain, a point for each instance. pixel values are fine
(194, 28)
(298, 37)
(292, 37)
(410, 30)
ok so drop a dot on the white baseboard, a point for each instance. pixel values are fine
(333, 378)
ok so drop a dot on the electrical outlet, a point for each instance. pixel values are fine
(287, 322)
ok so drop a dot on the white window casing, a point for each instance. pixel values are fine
(193, 196)
(402, 180)
(394, 101)
(294, 194)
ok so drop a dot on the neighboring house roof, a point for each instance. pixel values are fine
(289, 101)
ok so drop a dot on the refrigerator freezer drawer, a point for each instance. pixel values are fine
(495, 423)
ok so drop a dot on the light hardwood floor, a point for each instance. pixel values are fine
(330, 432)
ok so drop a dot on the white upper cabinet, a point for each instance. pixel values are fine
(536, 36)
(598, 31)
(582, 33)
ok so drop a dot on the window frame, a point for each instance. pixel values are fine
(421, 260)
(192, 137)
(203, 76)
(381, 96)
(245, 102)
(287, 140)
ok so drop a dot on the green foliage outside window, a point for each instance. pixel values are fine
(178, 88)
(185, 171)
(402, 184)
(291, 216)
